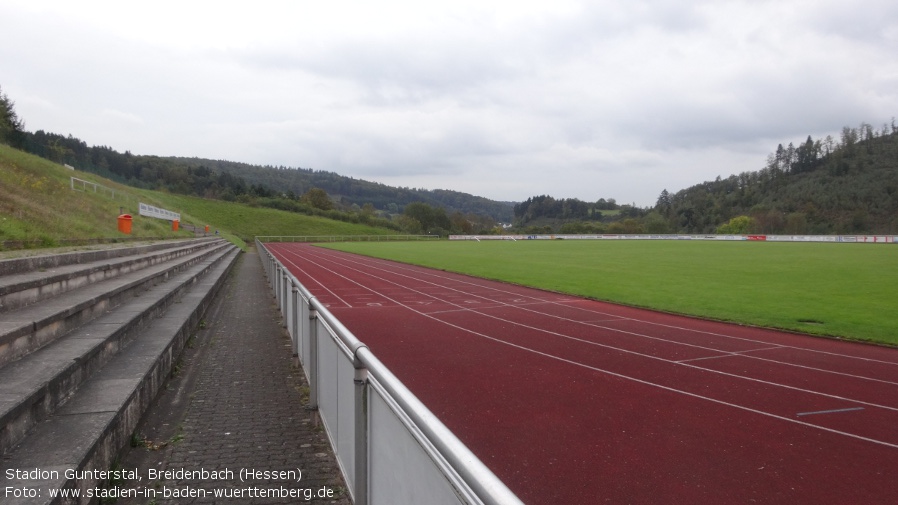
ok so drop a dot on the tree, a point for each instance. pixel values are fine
(317, 198)
(806, 156)
(12, 129)
(460, 223)
(739, 225)
(664, 203)
(655, 223)
(829, 145)
(408, 224)
(431, 219)
(779, 160)
(849, 139)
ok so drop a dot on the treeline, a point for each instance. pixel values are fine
(232, 181)
(544, 206)
(305, 191)
(193, 177)
(149, 172)
(545, 214)
(831, 185)
(823, 186)
(351, 191)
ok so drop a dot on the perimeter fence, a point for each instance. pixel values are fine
(390, 447)
(82, 185)
(843, 239)
(346, 238)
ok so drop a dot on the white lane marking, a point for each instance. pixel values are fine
(588, 342)
(834, 411)
(675, 342)
(626, 377)
(310, 276)
(425, 271)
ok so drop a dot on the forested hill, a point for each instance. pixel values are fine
(819, 187)
(279, 187)
(823, 186)
(349, 191)
(229, 180)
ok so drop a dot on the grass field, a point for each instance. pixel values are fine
(843, 290)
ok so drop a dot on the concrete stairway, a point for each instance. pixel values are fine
(86, 341)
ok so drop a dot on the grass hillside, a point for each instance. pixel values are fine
(38, 208)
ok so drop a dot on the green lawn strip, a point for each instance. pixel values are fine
(844, 290)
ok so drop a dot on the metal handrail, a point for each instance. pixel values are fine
(478, 477)
(473, 481)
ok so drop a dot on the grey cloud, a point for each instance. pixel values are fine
(592, 99)
(874, 22)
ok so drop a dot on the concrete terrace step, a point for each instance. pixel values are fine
(40, 278)
(96, 417)
(48, 261)
(29, 328)
(33, 386)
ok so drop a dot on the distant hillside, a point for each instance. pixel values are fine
(227, 180)
(303, 191)
(39, 209)
(823, 186)
(820, 187)
(351, 191)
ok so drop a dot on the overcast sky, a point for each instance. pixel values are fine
(506, 100)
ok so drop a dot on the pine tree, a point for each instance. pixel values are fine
(12, 129)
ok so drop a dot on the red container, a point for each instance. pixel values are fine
(124, 223)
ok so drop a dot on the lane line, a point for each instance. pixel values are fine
(729, 354)
(641, 335)
(316, 281)
(569, 337)
(681, 361)
(626, 377)
(654, 323)
(853, 409)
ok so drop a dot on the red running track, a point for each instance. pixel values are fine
(569, 400)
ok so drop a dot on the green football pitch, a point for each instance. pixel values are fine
(840, 290)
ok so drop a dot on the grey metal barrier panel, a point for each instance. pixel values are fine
(390, 447)
(335, 400)
(468, 478)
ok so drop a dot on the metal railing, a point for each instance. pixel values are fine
(80, 184)
(345, 238)
(846, 239)
(390, 447)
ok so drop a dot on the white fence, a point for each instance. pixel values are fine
(391, 448)
(82, 185)
(869, 239)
